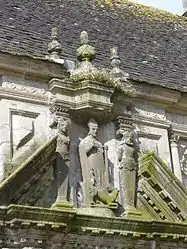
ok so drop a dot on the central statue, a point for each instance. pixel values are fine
(92, 163)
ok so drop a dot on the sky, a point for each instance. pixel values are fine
(174, 6)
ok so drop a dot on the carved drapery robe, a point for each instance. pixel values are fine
(62, 160)
(127, 174)
(93, 167)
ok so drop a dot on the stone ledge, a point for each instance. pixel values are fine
(42, 218)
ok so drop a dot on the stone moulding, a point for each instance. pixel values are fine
(16, 216)
(82, 95)
(7, 93)
(27, 89)
(30, 67)
(160, 190)
(24, 178)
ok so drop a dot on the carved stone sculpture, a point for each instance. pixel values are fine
(127, 169)
(62, 162)
(92, 164)
(108, 196)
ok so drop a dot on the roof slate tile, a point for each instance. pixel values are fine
(152, 43)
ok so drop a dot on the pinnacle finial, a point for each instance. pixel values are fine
(85, 52)
(54, 47)
(184, 3)
(84, 38)
(115, 60)
(54, 33)
(115, 63)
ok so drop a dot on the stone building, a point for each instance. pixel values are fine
(93, 126)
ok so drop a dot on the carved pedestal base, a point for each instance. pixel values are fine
(96, 211)
(62, 205)
(132, 213)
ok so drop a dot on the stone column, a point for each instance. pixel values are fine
(175, 156)
(62, 168)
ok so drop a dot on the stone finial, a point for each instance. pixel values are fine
(184, 2)
(54, 47)
(84, 38)
(85, 52)
(115, 60)
(115, 63)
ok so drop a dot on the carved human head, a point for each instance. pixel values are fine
(63, 125)
(93, 126)
(128, 137)
(120, 132)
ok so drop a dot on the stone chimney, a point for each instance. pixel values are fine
(184, 2)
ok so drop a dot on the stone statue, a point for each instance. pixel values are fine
(92, 164)
(127, 169)
(62, 161)
(183, 162)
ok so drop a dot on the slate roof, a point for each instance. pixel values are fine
(152, 43)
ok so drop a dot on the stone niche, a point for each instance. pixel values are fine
(152, 130)
(106, 133)
(154, 139)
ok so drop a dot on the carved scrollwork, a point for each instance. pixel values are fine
(150, 112)
(174, 138)
(28, 89)
(59, 110)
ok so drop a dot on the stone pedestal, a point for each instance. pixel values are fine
(96, 211)
(62, 205)
(132, 213)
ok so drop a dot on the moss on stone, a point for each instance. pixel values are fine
(151, 156)
(26, 162)
(152, 13)
(104, 77)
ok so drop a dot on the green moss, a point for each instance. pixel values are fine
(152, 13)
(152, 156)
(26, 162)
(105, 78)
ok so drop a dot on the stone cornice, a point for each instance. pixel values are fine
(16, 216)
(43, 70)
(30, 67)
(161, 189)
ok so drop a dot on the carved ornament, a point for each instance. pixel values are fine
(59, 110)
(150, 113)
(28, 89)
(174, 138)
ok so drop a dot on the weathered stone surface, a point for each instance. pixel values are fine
(92, 164)
(75, 168)
(148, 56)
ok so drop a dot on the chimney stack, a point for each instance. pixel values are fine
(184, 2)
